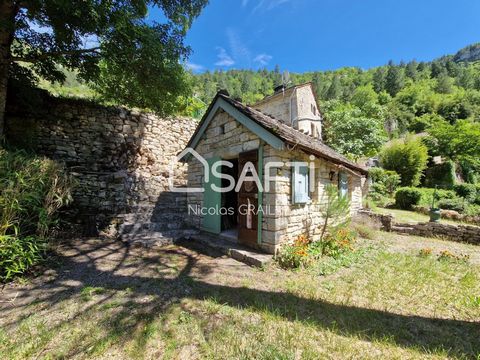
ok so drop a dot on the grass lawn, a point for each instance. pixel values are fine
(105, 300)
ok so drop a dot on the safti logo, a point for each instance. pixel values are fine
(248, 174)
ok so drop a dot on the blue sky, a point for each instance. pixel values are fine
(305, 35)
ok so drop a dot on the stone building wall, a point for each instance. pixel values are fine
(277, 106)
(291, 220)
(119, 157)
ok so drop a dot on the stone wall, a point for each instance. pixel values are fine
(119, 157)
(461, 233)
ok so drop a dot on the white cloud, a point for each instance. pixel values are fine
(223, 58)
(266, 5)
(262, 59)
(194, 67)
(240, 52)
(244, 3)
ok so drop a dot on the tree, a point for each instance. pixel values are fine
(460, 140)
(444, 84)
(110, 43)
(411, 70)
(335, 89)
(407, 157)
(353, 134)
(335, 211)
(394, 79)
(379, 79)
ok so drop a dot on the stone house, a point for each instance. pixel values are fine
(274, 155)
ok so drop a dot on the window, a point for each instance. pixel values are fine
(300, 182)
(342, 184)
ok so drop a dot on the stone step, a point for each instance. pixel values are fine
(233, 250)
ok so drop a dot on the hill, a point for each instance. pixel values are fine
(468, 54)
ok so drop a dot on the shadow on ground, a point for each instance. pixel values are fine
(159, 278)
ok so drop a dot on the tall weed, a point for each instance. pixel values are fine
(32, 189)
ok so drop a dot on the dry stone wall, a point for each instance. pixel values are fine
(460, 233)
(120, 158)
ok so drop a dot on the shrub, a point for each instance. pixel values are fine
(407, 157)
(406, 198)
(427, 195)
(384, 182)
(442, 175)
(32, 189)
(472, 210)
(466, 191)
(456, 204)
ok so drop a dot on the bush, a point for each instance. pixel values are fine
(427, 195)
(466, 191)
(442, 175)
(472, 210)
(407, 157)
(32, 189)
(456, 204)
(406, 198)
(384, 182)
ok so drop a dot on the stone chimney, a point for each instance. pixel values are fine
(295, 106)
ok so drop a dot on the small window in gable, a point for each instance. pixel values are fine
(342, 184)
(300, 181)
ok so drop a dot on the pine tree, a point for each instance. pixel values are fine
(394, 80)
(335, 89)
(411, 70)
(379, 79)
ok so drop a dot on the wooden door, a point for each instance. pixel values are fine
(248, 203)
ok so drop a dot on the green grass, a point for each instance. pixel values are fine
(382, 305)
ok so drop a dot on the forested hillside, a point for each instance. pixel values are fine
(365, 108)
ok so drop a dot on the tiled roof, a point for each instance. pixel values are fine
(294, 137)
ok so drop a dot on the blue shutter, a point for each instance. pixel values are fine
(343, 184)
(300, 185)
